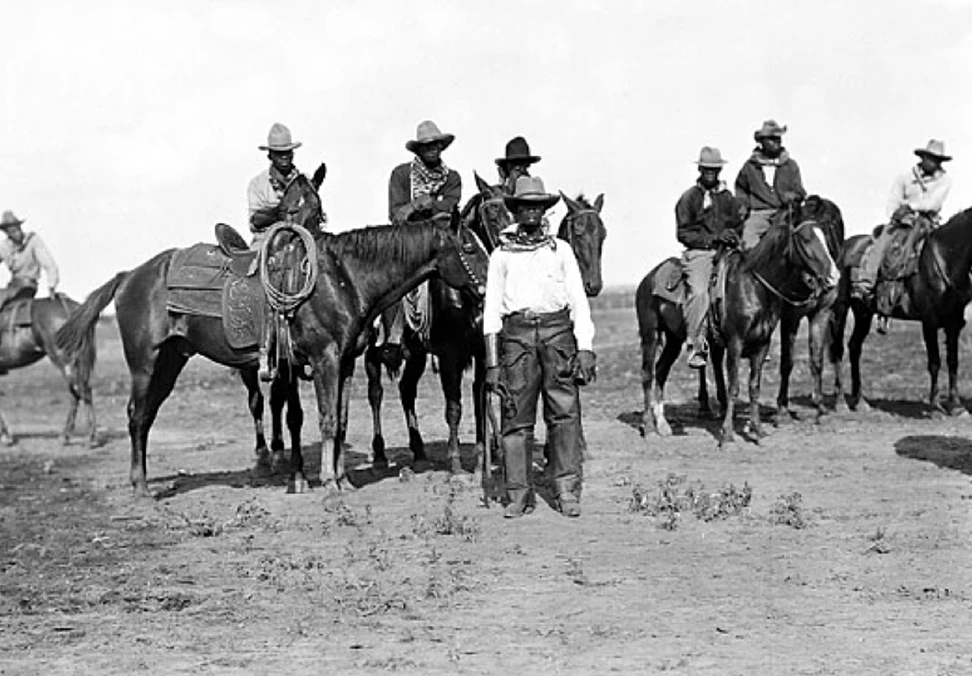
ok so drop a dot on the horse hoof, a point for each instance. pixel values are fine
(841, 407)
(380, 463)
(783, 417)
(727, 440)
(142, 493)
(862, 406)
(960, 412)
(663, 428)
(455, 465)
(6, 440)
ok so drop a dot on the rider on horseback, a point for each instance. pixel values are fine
(263, 195)
(915, 205)
(707, 216)
(516, 163)
(420, 190)
(768, 182)
(26, 256)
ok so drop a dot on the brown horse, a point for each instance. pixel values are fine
(361, 272)
(23, 345)
(790, 265)
(936, 296)
(455, 332)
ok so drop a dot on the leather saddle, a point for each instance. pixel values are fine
(219, 281)
(17, 312)
(899, 263)
(670, 284)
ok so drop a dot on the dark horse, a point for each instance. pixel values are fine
(936, 296)
(23, 345)
(360, 273)
(791, 264)
(455, 331)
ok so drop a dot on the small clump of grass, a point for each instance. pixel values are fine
(675, 496)
(788, 511)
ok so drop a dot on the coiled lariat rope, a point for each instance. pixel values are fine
(281, 301)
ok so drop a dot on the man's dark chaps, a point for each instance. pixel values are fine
(537, 352)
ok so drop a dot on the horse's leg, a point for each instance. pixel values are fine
(376, 393)
(733, 352)
(718, 355)
(789, 324)
(254, 400)
(6, 439)
(952, 331)
(279, 396)
(755, 425)
(344, 402)
(152, 383)
(408, 391)
(295, 412)
(84, 389)
(663, 367)
(862, 325)
(479, 400)
(930, 333)
(450, 375)
(835, 348)
(819, 322)
(705, 409)
(326, 387)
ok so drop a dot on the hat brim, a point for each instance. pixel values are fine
(712, 165)
(760, 135)
(11, 224)
(283, 148)
(445, 139)
(530, 159)
(545, 201)
(921, 152)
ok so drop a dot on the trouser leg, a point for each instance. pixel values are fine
(756, 225)
(521, 372)
(698, 271)
(562, 411)
(867, 273)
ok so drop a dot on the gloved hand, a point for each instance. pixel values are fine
(729, 238)
(791, 198)
(585, 367)
(492, 381)
(422, 202)
(901, 213)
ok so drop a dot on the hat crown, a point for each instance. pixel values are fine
(935, 147)
(9, 218)
(770, 129)
(427, 131)
(280, 139)
(517, 147)
(529, 186)
(710, 157)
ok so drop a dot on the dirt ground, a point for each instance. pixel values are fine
(838, 548)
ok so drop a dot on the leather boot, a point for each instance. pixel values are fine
(520, 503)
(569, 505)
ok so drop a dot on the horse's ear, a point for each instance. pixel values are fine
(319, 175)
(480, 183)
(571, 204)
(599, 202)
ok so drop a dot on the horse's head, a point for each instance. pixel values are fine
(804, 247)
(486, 212)
(584, 230)
(461, 257)
(302, 204)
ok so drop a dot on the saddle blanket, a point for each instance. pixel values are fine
(204, 281)
(669, 284)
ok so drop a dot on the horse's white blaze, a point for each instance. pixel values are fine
(833, 277)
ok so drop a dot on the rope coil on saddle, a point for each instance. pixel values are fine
(281, 301)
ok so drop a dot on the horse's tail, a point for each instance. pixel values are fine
(76, 337)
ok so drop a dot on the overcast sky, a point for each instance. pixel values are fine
(131, 127)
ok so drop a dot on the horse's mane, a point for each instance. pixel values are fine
(385, 243)
(774, 244)
(583, 201)
(827, 215)
(958, 222)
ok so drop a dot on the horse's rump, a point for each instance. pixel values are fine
(16, 313)
(203, 281)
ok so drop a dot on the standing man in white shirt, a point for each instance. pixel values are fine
(539, 339)
(915, 203)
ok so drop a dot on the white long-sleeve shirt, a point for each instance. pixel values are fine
(545, 279)
(28, 260)
(920, 192)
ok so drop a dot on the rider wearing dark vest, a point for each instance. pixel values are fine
(706, 216)
(768, 181)
(422, 189)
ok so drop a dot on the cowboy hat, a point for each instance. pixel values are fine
(9, 220)
(517, 150)
(529, 190)
(936, 149)
(279, 139)
(770, 129)
(428, 132)
(710, 158)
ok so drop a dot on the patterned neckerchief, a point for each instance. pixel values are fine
(278, 181)
(425, 180)
(521, 240)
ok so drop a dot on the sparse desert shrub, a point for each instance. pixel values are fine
(676, 496)
(788, 511)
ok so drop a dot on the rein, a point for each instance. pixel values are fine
(480, 283)
(779, 294)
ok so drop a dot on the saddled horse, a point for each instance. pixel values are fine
(455, 325)
(791, 264)
(359, 273)
(27, 329)
(936, 295)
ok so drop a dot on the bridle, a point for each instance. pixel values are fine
(817, 286)
(569, 220)
(491, 237)
(480, 283)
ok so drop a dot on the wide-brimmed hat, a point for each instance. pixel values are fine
(279, 139)
(428, 132)
(770, 129)
(529, 190)
(710, 158)
(936, 149)
(8, 220)
(517, 150)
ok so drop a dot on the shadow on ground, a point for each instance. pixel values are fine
(946, 452)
